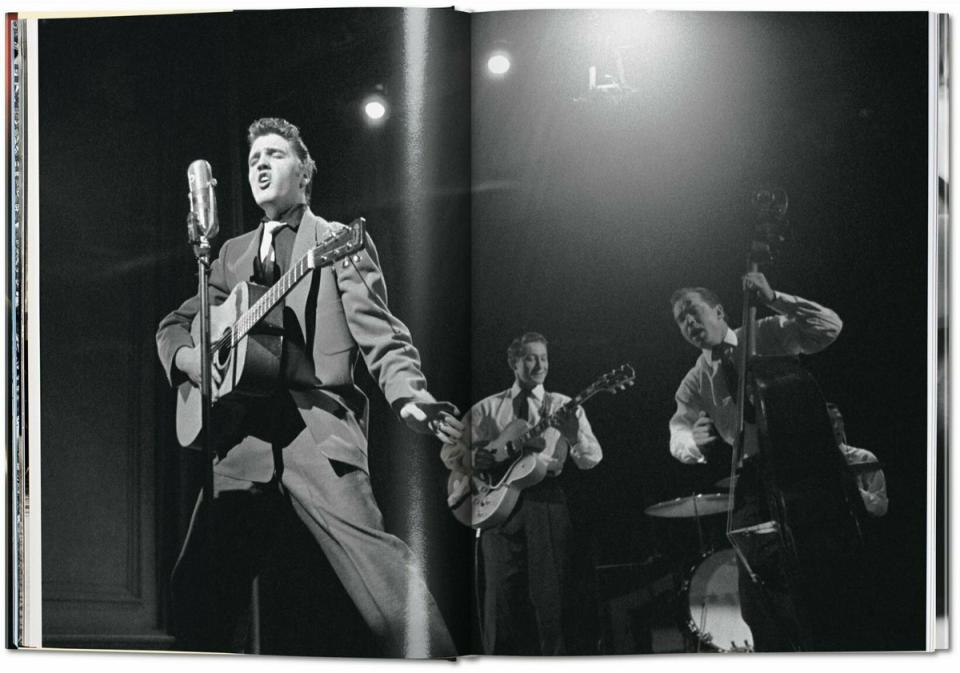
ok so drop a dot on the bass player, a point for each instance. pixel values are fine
(704, 427)
(526, 557)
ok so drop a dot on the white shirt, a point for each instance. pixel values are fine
(872, 483)
(487, 419)
(801, 327)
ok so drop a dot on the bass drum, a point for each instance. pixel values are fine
(710, 605)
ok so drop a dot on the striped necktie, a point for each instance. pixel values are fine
(268, 258)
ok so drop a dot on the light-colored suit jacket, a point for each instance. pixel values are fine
(339, 315)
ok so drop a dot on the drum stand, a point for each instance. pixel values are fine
(701, 623)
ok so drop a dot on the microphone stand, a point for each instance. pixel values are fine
(201, 250)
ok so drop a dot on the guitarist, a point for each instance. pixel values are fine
(526, 558)
(305, 447)
(705, 424)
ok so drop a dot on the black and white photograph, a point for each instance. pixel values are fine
(421, 333)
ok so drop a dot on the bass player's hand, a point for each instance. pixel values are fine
(704, 431)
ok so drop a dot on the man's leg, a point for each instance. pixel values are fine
(507, 619)
(210, 586)
(378, 570)
(548, 530)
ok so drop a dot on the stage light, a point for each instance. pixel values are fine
(498, 63)
(375, 109)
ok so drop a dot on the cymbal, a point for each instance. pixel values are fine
(726, 482)
(701, 504)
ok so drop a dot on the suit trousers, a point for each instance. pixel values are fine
(211, 580)
(525, 562)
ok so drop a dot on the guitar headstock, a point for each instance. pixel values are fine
(615, 381)
(341, 243)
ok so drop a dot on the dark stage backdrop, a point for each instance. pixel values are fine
(588, 211)
(585, 213)
(125, 105)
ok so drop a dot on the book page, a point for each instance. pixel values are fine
(327, 491)
(619, 156)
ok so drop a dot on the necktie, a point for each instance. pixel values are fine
(521, 409)
(728, 366)
(268, 258)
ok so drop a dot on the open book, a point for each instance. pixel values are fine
(560, 173)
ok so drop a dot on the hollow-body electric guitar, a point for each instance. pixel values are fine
(486, 498)
(246, 334)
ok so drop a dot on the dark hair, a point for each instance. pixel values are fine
(515, 350)
(267, 125)
(708, 295)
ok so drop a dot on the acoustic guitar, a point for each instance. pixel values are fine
(246, 334)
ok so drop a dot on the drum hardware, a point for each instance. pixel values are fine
(709, 598)
(727, 482)
(710, 604)
(696, 505)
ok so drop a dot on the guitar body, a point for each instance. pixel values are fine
(250, 368)
(489, 503)
(246, 343)
(495, 493)
(500, 447)
(487, 498)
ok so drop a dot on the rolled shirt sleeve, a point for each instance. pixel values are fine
(872, 484)
(586, 453)
(688, 410)
(801, 326)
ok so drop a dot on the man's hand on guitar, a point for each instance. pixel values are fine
(433, 418)
(568, 424)
(187, 360)
(483, 458)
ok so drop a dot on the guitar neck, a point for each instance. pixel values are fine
(334, 247)
(272, 297)
(551, 419)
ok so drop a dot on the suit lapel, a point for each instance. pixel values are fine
(245, 261)
(311, 231)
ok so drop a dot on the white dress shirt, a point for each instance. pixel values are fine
(487, 419)
(801, 326)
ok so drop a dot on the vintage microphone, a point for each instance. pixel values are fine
(203, 199)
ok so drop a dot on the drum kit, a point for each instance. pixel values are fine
(709, 601)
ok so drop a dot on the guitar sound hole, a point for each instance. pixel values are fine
(223, 353)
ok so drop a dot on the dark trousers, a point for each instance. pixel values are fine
(228, 543)
(526, 564)
(334, 502)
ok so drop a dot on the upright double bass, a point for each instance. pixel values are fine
(813, 503)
